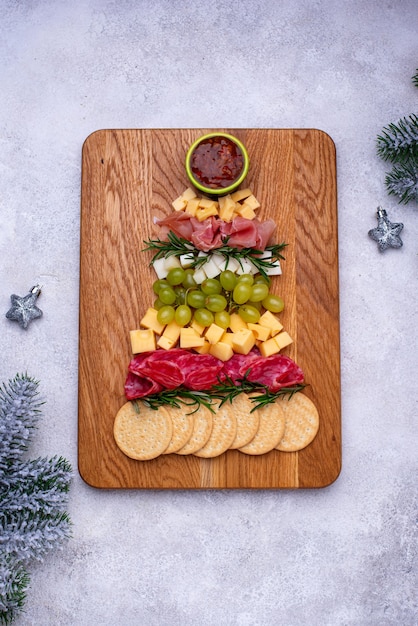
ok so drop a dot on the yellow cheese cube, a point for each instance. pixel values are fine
(269, 347)
(243, 341)
(246, 211)
(203, 349)
(198, 327)
(166, 343)
(214, 333)
(208, 203)
(272, 322)
(179, 204)
(236, 323)
(188, 194)
(226, 208)
(261, 332)
(203, 213)
(227, 338)
(189, 338)
(241, 194)
(192, 206)
(172, 331)
(252, 202)
(142, 341)
(150, 321)
(283, 339)
(221, 351)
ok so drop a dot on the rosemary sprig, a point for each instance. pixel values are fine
(176, 246)
(180, 396)
(227, 391)
(173, 246)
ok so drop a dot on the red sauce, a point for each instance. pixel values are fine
(217, 162)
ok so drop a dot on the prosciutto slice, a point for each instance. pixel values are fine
(212, 232)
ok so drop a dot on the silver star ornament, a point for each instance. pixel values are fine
(23, 309)
(387, 233)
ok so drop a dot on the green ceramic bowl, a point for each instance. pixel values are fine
(206, 159)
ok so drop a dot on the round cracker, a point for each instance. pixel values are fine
(301, 423)
(202, 428)
(141, 432)
(247, 420)
(223, 433)
(270, 430)
(182, 428)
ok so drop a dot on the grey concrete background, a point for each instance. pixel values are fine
(345, 555)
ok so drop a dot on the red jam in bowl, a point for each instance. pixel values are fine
(217, 162)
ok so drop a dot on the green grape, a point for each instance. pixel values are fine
(256, 305)
(259, 278)
(158, 304)
(242, 292)
(196, 299)
(211, 286)
(189, 281)
(167, 295)
(165, 315)
(222, 319)
(176, 276)
(203, 317)
(216, 302)
(259, 291)
(249, 313)
(228, 280)
(246, 278)
(272, 303)
(159, 284)
(180, 294)
(183, 315)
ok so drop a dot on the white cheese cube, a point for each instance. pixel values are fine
(229, 264)
(217, 258)
(186, 260)
(211, 269)
(160, 269)
(170, 262)
(245, 267)
(199, 276)
(275, 269)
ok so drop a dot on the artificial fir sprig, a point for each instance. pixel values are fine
(33, 495)
(398, 144)
(402, 181)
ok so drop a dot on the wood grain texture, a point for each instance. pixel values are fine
(129, 177)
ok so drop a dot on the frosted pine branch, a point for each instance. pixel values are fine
(402, 182)
(24, 536)
(14, 581)
(399, 142)
(40, 485)
(33, 495)
(415, 78)
(19, 414)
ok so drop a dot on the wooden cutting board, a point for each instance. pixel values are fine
(130, 177)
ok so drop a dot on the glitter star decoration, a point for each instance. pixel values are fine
(387, 233)
(23, 309)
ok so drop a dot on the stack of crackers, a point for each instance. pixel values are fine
(288, 425)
